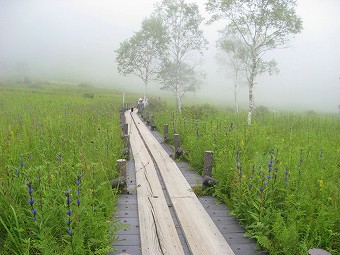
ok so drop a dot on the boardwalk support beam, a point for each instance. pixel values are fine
(208, 162)
(125, 128)
(152, 122)
(166, 132)
(208, 181)
(177, 144)
(120, 182)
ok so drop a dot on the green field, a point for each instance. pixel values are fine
(280, 176)
(58, 152)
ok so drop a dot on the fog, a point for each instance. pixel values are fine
(74, 40)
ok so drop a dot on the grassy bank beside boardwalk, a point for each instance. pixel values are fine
(280, 176)
(58, 152)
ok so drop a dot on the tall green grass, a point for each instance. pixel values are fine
(280, 176)
(58, 152)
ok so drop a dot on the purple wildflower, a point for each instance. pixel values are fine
(34, 212)
(31, 201)
(321, 154)
(68, 200)
(270, 164)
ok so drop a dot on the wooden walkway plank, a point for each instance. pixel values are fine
(204, 236)
(201, 233)
(176, 184)
(157, 230)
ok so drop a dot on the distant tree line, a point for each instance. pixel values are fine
(169, 47)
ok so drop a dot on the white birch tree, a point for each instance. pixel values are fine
(260, 26)
(184, 47)
(141, 55)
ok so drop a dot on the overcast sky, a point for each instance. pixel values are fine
(75, 40)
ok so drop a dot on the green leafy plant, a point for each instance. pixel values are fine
(280, 176)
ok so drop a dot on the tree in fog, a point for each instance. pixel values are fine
(141, 55)
(232, 58)
(184, 47)
(259, 26)
(180, 78)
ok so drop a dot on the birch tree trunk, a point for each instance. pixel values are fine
(251, 79)
(235, 91)
(251, 103)
(145, 93)
(179, 102)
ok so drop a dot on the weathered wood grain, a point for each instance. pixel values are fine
(201, 233)
(157, 230)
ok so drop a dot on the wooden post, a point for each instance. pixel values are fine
(121, 166)
(152, 122)
(166, 132)
(177, 142)
(139, 107)
(208, 162)
(126, 151)
(125, 128)
(146, 118)
(126, 141)
(122, 118)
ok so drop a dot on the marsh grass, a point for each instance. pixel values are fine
(48, 136)
(280, 176)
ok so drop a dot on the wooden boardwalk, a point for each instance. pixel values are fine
(164, 214)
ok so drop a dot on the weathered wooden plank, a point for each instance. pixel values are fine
(157, 230)
(175, 182)
(202, 235)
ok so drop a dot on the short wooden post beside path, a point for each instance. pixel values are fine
(121, 166)
(166, 132)
(208, 163)
(125, 128)
(177, 145)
